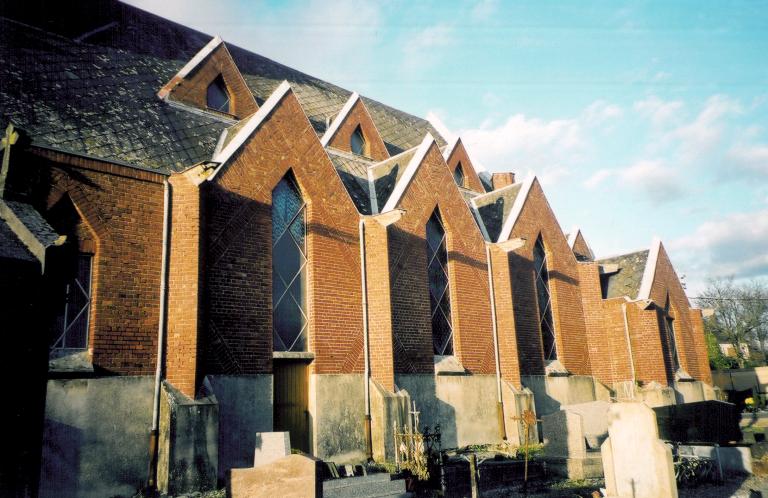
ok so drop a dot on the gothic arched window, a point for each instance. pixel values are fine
(217, 96)
(544, 299)
(289, 267)
(357, 142)
(458, 175)
(669, 329)
(439, 295)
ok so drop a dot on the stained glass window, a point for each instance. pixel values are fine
(439, 295)
(544, 299)
(289, 267)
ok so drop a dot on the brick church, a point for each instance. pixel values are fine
(204, 244)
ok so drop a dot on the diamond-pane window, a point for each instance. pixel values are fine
(72, 322)
(544, 299)
(439, 295)
(289, 268)
(669, 326)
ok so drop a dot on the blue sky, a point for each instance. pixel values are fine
(641, 119)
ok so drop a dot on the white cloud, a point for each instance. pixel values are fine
(421, 51)
(653, 178)
(659, 111)
(703, 134)
(600, 111)
(484, 9)
(749, 160)
(731, 245)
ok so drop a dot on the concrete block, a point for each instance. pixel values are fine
(96, 436)
(465, 406)
(654, 395)
(245, 408)
(550, 393)
(337, 411)
(594, 416)
(294, 476)
(271, 446)
(636, 463)
(516, 401)
(563, 433)
(689, 391)
(733, 459)
(188, 447)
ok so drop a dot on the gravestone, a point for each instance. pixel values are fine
(271, 446)
(293, 476)
(637, 463)
(565, 446)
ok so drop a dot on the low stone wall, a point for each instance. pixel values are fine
(552, 392)
(386, 408)
(96, 436)
(245, 408)
(464, 405)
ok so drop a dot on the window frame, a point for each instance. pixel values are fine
(219, 84)
(459, 176)
(358, 132)
(83, 311)
(301, 338)
(438, 255)
(545, 315)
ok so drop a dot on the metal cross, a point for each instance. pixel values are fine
(10, 138)
(415, 415)
(528, 418)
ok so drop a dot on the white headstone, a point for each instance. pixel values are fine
(271, 446)
(636, 463)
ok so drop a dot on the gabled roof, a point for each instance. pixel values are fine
(24, 233)
(98, 97)
(339, 119)
(627, 281)
(408, 173)
(650, 270)
(190, 66)
(579, 245)
(383, 177)
(517, 208)
(353, 171)
(494, 208)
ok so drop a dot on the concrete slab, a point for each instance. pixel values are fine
(294, 476)
(271, 446)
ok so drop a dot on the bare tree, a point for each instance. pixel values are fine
(740, 313)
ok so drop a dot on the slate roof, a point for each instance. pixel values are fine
(627, 281)
(97, 96)
(353, 171)
(34, 222)
(494, 208)
(11, 247)
(387, 173)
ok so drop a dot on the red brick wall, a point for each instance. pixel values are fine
(379, 305)
(239, 272)
(185, 266)
(688, 334)
(193, 89)
(537, 218)
(433, 186)
(651, 355)
(121, 213)
(509, 359)
(580, 247)
(359, 116)
(459, 155)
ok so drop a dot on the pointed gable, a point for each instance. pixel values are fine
(579, 246)
(352, 124)
(211, 81)
(456, 155)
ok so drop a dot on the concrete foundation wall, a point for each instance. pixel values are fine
(659, 396)
(516, 401)
(96, 436)
(463, 405)
(741, 379)
(552, 392)
(245, 408)
(337, 412)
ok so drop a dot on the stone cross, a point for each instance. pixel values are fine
(415, 414)
(10, 138)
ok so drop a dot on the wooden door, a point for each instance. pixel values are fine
(291, 401)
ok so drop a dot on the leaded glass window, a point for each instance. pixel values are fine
(439, 295)
(669, 327)
(357, 142)
(289, 267)
(544, 299)
(72, 320)
(217, 96)
(458, 175)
